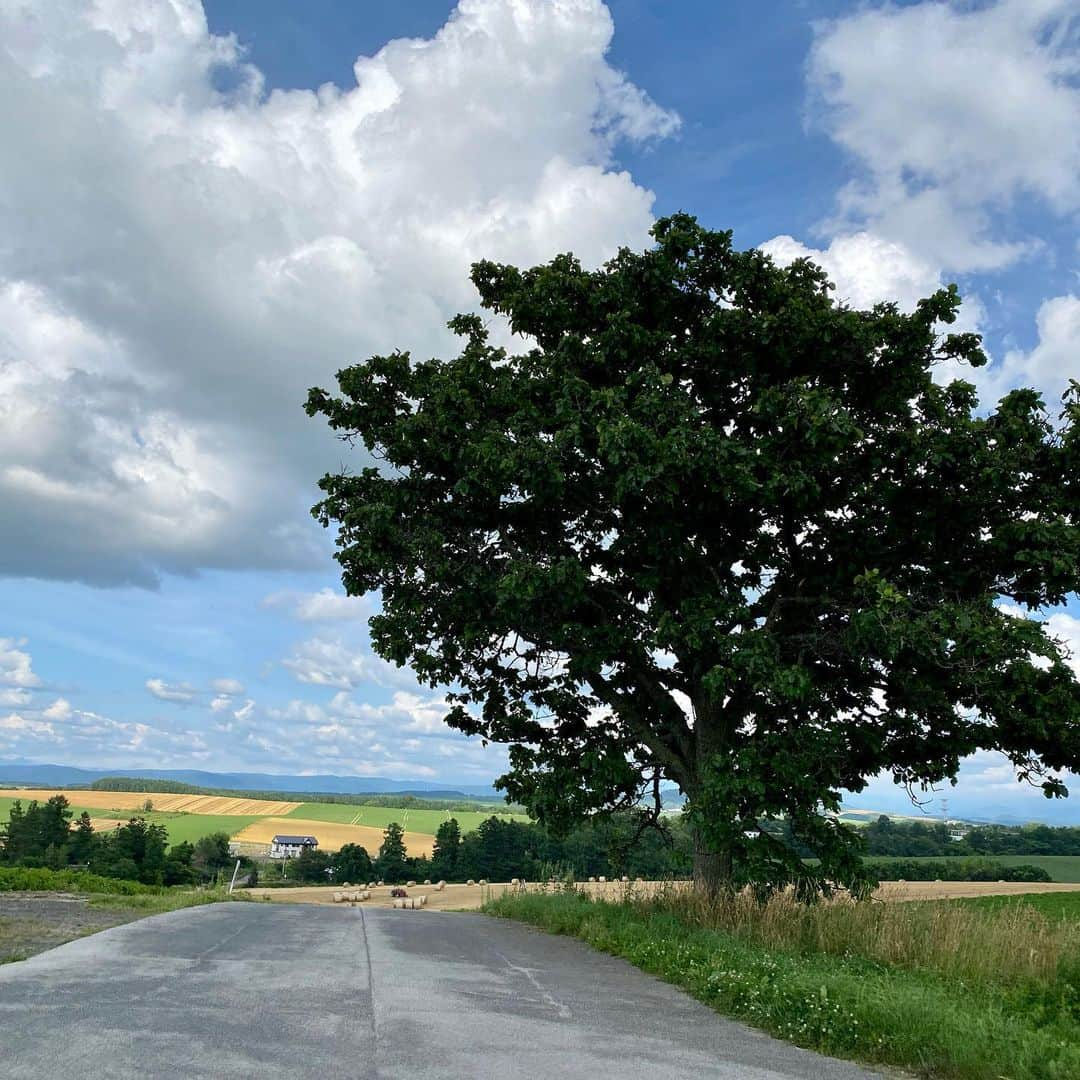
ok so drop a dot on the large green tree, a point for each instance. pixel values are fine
(711, 525)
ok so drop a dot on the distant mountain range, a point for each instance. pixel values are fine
(67, 775)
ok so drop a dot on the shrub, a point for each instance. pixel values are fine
(38, 879)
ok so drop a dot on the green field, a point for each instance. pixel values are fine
(411, 819)
(1055, 906)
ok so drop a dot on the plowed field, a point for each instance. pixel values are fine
(135, 800)
(331, 834)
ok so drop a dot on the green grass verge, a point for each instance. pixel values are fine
(843, 1005)
(1054, 906)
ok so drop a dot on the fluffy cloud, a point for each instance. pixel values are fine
(227, 686)
(326, 605)
(954, 112)
(178, 692)
(864, 267)
(16, 671)
(181, 262)
(1054, 359)
(322, 662)
(61, 732)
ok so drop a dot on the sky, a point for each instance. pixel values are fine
(207, 208)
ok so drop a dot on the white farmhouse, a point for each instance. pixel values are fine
(289, 847)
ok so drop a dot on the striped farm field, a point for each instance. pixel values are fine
(409, 818)
(331, 835)
(218, 805)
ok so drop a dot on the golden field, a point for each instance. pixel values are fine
(136, 800)
(331, 835)
(470, 897)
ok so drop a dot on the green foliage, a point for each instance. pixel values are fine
(210, 855)
(38, 879)
(393, 863)
(38, 835)
(954, 870)
(446, 852)
(707, 478)
(313, 866)
(352, 863)
(844, 1005)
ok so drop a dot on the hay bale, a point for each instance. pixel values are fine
(345, 885)
(470, 882)
(440, 886)
(422, 900)
(410, 884)
(338, 897)
(371, 884)
(602, 878)
(514, 881)
(381, 882)
(592, 879)
(483, 881)
(624, 878)
(427, 881)
(399, 904)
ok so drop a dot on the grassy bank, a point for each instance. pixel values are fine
(943, 989)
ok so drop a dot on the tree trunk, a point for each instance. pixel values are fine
(712, 867)
(712, 862)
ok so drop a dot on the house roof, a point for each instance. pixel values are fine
(295, 840)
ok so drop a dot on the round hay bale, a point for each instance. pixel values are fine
(483, 881)
(399, 903)
(338, 897)
(592, 879)
(381, 882)
(514, 881)
(427, 881)
(440, 886)
(624, 878)
(602, 878)
(345, 885)
(470, 882)
(410, 884)
(422, 900)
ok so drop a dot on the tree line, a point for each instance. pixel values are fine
(41, 835)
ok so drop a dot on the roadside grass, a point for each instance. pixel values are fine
(945, 989)
(167, 900)
(1054, 906)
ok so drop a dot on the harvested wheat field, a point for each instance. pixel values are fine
(136, 800)
(330, 834)
(470, 897)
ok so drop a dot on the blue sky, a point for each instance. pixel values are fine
(196, 233)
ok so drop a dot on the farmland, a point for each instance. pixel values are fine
(254, 821)
(410, 819)
(331, 835)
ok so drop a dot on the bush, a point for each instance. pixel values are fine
(34, 879)
(953, 870)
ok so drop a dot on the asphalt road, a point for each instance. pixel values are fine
(275, 990)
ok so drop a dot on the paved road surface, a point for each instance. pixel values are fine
(268, 991)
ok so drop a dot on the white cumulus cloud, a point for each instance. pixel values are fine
(178, 692)
(953, 112)
(180, 262)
